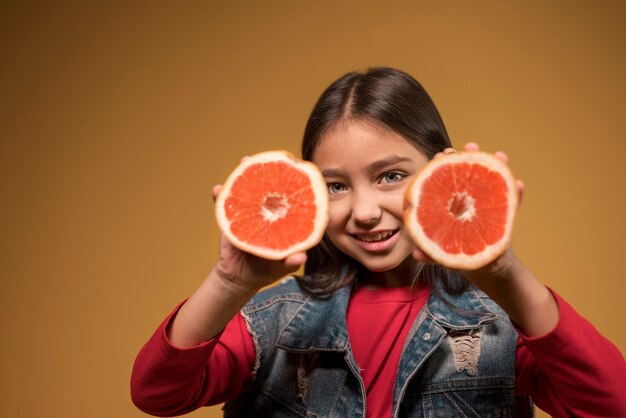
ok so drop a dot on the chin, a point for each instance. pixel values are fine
(380, 267)
(402, 265)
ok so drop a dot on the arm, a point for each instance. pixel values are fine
(573, 370)
(168, 380)
(565, 364)
(568, 368)
(187, 363)
(234, 280)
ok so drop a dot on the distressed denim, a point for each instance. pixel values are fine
(455, 362)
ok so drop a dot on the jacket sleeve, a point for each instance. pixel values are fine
(573, 370)
(170, 381)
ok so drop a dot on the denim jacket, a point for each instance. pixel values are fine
(456, 361)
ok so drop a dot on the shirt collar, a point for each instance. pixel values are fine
(320, 324)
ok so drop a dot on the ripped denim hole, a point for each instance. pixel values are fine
(465, 350)
(303, 374)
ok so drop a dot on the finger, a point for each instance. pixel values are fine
(471, 146)
(422, 257)
(444, 152)
(502, 156)
(216, 190)
(295, 259)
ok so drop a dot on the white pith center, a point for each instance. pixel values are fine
(274, 207)
(461, 206)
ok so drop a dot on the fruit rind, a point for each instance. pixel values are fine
(460, 261)
(320, 192)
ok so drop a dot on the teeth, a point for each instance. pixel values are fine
(374, 237)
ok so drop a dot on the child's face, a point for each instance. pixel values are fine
(367, 169)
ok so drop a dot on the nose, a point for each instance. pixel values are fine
(366, 209)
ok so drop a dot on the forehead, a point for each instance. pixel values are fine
(357, 141)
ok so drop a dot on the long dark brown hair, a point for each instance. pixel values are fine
(396, 101)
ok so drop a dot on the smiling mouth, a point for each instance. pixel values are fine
(378, 237)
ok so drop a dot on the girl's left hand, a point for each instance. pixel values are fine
(529, 304)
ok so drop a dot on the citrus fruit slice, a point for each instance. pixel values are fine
(273, 205)
(459, 209)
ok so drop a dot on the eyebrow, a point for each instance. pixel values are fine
(376, 166)
(334, 172)
(373, 168)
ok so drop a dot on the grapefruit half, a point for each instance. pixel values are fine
(459, 209)
(273, 204)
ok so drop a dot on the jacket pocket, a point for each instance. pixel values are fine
(484, 397)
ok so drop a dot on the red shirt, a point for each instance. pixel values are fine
(572, 371)
(386, 316)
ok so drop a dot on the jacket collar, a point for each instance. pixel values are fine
(464, 311)
(320, 323)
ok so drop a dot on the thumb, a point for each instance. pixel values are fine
(422, 257)
(295, 260)
(216, 190)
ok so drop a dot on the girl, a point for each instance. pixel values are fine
(374, 328)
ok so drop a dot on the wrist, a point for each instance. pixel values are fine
(229, 287)
(207, 312)
(502, 268)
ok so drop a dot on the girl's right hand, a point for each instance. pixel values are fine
(248, 271)
(236, 277)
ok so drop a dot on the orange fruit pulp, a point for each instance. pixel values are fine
(273, 204)
(459, 209)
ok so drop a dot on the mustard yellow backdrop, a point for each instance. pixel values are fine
(116, 118)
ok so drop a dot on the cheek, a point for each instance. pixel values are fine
(339, 213)
(394, 201)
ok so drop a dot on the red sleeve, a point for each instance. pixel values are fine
(573, 370)
(168, 381)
